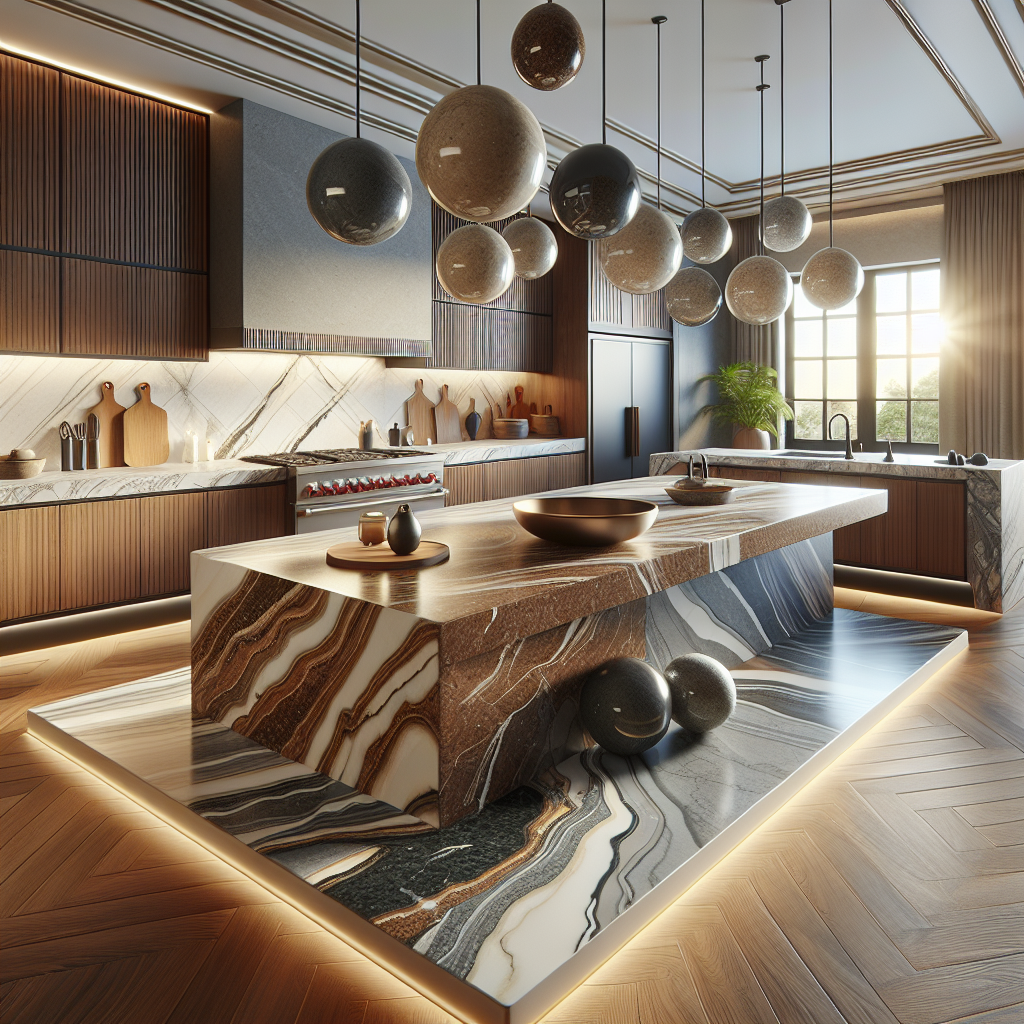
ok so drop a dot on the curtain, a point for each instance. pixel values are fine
(981, 368)
(750, 344)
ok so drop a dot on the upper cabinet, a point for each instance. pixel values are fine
(103, 219)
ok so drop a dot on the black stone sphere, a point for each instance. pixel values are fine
(358, 192)
(548, 47)
(703, 692)
(625, 705)
(595, 191)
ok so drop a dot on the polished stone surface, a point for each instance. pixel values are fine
(759, 290)
(645, 255)
(475, 264)
(703, 693)
(707, 235)
(625, 706)
(548, 47)
(595, 191)
(831, 278)
(693, 297)
(533, 246)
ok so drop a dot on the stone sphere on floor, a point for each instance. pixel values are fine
(625, 705)
(703, 692)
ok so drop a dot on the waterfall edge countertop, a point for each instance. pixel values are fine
(54, 487)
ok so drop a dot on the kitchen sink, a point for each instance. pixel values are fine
(800, 453)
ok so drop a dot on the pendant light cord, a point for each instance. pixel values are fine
(703, 198)
(659, 20)
(477, 42)
(782, 98)
(604, 88)
(761, 88)
(359, 33)
(831, 152)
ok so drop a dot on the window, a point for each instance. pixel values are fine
(876, 360)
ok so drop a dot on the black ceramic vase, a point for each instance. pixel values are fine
(625, 706)
(472, 424)
(404, 531)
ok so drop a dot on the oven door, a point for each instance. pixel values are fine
(314, 518)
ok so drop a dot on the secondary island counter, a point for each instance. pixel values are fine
(439, 691)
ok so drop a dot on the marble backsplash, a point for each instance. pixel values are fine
(247, 403)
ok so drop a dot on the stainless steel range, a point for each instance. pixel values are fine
(331, 488)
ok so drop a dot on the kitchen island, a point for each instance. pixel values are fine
(332, 719)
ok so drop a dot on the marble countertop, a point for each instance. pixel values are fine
(128, 481)
(863, 463)
(501, 583)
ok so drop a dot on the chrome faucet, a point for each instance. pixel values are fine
(846, 420)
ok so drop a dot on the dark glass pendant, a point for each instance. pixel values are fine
(595, 191)
(548, 47)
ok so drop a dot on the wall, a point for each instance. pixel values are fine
(247, 402)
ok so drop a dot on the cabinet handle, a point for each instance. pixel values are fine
(630, 431)
(636, 431)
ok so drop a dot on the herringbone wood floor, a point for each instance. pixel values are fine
(891, 889)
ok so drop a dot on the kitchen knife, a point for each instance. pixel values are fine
(93, 442)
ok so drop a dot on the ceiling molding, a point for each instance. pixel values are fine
(995, 30)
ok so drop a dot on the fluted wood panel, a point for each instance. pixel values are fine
(29, 302)
(611, 307)
(29, 147)
(110, 309)
(486, 481)
(245, 513)
(478, 338)
(133, 177)
(745, 473)
(30, 555)
(941, 528)
(650, 311)
(99, 553)
(890, 541)
(171, 527)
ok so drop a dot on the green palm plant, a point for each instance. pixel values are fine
(748, 396)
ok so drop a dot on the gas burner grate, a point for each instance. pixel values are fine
(331, 456)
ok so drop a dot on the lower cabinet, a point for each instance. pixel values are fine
(484, 481)
(94, 553)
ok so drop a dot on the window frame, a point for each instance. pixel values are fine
(866, 369)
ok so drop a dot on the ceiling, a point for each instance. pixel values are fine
(926, 91)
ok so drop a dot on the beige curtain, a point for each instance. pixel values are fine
(750, 344)
(981, 371)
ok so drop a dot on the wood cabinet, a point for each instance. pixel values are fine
(245, 513)
(485, 481)
(99, 553)
(171, 527)
(30, 555)
(745, 473)
(941, 528)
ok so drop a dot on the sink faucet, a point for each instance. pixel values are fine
(846, 420)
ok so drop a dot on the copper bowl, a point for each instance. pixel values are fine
(585, 521)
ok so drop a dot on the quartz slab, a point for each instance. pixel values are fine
(465, 453)
(502, 914)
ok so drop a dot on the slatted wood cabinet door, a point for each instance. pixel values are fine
(30, 560)
(942, 528)
(510, 478)
(171, 527)
(99, 553)
(245, 513)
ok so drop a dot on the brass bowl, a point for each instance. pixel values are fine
(585, 521)
(710, 494)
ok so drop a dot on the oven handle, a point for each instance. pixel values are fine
(356, 506)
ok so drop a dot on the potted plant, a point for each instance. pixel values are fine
(749, 398)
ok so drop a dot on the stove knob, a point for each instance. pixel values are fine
(340, 487)
(307, 491)
(431, 478)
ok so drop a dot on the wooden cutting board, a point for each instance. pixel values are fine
(145, 432)
(421, 415)
(519, 411)
(109, 415)
(446, 416)
(379, 557)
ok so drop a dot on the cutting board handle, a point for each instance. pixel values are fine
(107, 390)
(144, 394)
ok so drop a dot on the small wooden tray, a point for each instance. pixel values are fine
(380, 558)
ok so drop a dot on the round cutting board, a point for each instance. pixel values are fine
(380, 558)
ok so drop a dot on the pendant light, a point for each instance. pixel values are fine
(644, 256)
(480, 151)
(548, 47)
(759, 289)
(357, 191)
(595, 190)
(707, 235)
(475, 264)
(693, 297)
(785, 222)
(533, 246)
(832, 277)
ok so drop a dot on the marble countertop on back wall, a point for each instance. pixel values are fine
(492, 449)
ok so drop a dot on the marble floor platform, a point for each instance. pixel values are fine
(500, 915)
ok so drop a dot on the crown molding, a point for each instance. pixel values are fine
(995, 30)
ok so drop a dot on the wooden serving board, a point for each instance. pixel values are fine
(145, 432)
(421, 415)
(110, 417)
(380, 558)
(446, 416)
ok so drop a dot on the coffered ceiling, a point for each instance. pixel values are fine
(926, 91)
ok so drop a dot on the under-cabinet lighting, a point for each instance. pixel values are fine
(132, 87)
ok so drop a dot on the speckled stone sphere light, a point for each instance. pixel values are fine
(533, 246)
(786, 223)
(645, 255)
(759, 290)
(693, 297)
(358, 192)
(831, 278)
(595, 191)
(703, 692)
(548, 47)
(707, 235)
(626, 706)
(481, 153)
(475, 264)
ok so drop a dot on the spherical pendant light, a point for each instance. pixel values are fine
(759, 290)
(786, 224)
(707, 235)
(548, 47)
(481, 153)
(831, 278)
(693, 297)
(533, 246)
(644, 255)
(595, 191)
(358, 192)
(475, 264)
